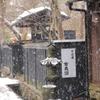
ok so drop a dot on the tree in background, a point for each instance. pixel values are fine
(56, 20)
(2, 13)
(13, 8)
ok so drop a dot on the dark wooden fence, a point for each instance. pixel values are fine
(34, 73)
(6, 57)
(0, 57)
(73, 86)
(17, 59)
(26, 60)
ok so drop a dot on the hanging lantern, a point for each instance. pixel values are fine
(96, 16)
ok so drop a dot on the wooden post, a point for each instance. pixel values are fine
(93, 43)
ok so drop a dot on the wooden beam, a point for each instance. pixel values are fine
(93, 37)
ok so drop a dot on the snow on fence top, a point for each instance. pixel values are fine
(22, 19)
(69, 40)
(7, 81)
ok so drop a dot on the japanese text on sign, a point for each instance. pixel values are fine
(68, 62)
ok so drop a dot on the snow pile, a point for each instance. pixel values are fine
(5, 93)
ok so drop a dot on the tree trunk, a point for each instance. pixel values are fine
(2, 13)
(56, 20)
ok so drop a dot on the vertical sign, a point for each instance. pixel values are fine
(68, 63)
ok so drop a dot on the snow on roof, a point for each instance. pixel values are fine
(34, 11)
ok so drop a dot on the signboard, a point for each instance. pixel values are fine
(68, 62)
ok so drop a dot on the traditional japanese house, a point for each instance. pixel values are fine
(38, 20)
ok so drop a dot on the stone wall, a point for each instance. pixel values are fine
(29, 92)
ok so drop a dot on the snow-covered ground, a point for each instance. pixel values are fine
(5, 92)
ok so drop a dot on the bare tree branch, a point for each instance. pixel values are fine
(8, 24)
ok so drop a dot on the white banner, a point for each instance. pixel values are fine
(68, 57)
